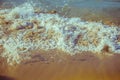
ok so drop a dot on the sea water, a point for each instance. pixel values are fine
(52, 31)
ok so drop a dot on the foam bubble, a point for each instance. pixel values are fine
(47, 31)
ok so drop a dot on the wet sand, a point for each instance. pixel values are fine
(85, 66)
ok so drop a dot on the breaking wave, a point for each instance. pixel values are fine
(26, 28)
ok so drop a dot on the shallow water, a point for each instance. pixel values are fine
(52, 4)
(85, 66)
(96, 10)
(52, 31)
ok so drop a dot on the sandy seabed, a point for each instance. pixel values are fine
(44, 66)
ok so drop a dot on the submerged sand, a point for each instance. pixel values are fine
(85, 66)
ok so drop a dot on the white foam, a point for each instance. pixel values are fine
(71, 35)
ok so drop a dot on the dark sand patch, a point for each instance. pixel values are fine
(5, 78)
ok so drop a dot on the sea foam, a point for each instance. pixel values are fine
(31, 31)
